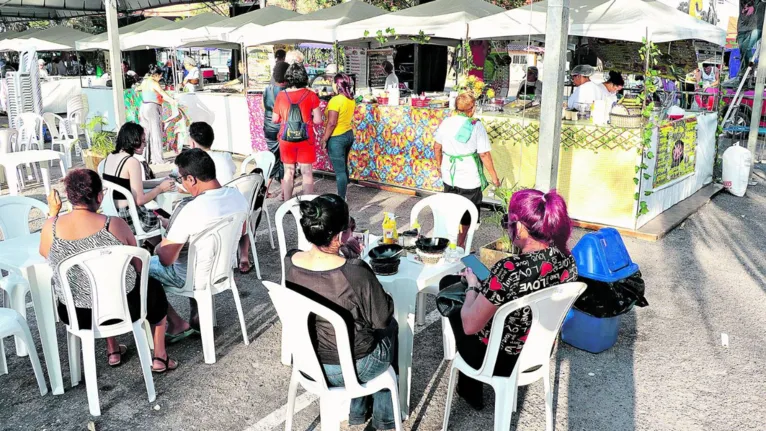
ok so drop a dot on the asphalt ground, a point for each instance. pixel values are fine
(668, 370)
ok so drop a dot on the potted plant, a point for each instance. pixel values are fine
(503, 246)
(101, 143)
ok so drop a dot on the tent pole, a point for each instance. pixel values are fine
(115, 63)
(556, 36)
(755, 118)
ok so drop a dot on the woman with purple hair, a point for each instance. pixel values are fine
(540, 227)
(339, 132)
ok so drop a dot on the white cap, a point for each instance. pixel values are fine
(41, 62)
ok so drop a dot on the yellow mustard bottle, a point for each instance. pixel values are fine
(390, 235)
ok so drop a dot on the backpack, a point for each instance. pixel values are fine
(296, 130)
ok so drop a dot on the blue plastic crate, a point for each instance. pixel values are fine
(602, 256)
(589, 333)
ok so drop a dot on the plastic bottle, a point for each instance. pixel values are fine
(451, 255)
(390, 234)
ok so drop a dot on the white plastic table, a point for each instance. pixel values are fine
(10, 161)
(167, 200)
(404, 287)
(23, 253)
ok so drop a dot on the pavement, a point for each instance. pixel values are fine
(668, 371)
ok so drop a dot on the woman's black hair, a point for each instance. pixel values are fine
(616, 79)
(280, 69)
(388, 67)
(129, 138)
(296, 76)
(323, 218)
(154, 70)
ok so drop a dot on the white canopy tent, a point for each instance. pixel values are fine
(101, 41)
(440, 19)
(170, 35)
(626, 20)
(319, 26)
(253, 21)
(50, 39)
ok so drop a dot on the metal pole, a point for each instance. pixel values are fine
(115, 62)
(556, 35)
(760, 77)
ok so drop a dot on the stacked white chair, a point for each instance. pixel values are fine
(291, 207)
(14, 222)
(105, 268)
(249, 185)
(8, 144)
(60, 136)
(308, 372)
(109, 207)
(13, 324)
(264, 160)
(448, 210)
(549, 306)
(30, 128)
(77, 109)
(223, 238)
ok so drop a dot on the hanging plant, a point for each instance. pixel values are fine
(649, 54)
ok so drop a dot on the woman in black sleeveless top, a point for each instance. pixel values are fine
(270, 129)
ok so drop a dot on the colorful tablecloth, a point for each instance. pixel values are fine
(172, 125)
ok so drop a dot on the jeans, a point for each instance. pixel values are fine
(165, 274)
(338, 148)
(367, 368)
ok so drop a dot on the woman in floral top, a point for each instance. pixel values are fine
(540, 227)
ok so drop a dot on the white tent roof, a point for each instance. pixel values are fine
(440, 19)
(170, 35)
(319, 26)
(101, 41)
(626, 20)
(228, 31)
(50, 39)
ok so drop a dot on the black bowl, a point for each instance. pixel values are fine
(385, 267)
(385, 253)
(432, 245)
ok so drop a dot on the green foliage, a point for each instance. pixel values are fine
(101, 143)
(421, 38)
(381, 36)
(651, 52)
(500, 213)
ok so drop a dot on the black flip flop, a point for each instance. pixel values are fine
(167, 365)
(123, 349)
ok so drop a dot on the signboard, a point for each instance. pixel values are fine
(708, 53)
(259, 63)
(375, 60)
(676, 151)
(356, 64)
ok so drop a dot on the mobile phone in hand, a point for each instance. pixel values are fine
(161, 212)
(478, 268)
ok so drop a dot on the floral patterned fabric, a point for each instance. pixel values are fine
(255, 111)
(518, 276)
(174, 128)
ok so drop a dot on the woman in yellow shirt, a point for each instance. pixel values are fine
(339, 134)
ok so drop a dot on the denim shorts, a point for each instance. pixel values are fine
(165, 274)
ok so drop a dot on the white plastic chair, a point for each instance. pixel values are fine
(105, 268)
(100, 168)
(76, 114)
(249, 185)
(264, 160)
(13, 323)
(14, 222)
(549, 306)
(9, 144)
(223, 238)
(448, 210)
(30, 127)
(59, 136)
(109, 207)
(291, 207)
(308, 372)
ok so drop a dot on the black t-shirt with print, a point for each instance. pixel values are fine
(518, 276)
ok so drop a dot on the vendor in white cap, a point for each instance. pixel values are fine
(193, 80)
(41, 66)
(586, 92)
(531, 87)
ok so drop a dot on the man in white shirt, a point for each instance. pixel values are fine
(392, 81)
(201, 136)
(209, 203)
(42, 72)
(586, 92)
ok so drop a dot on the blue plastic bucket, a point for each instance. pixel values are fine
(589, 333)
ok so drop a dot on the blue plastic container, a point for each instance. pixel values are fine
(602, 256)
(589, 333)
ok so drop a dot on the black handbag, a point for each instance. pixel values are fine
(451, 299)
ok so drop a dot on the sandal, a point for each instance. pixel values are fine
(174, 338)
(247, 271)
(123, 349)
(167, 365)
